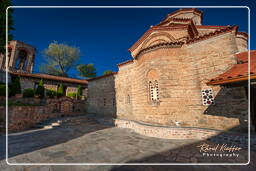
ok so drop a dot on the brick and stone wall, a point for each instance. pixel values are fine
(24, 117)
(101, 96)
(3, 77)
(26, 83)
(168, 132)
(124, 91)
(181, 71)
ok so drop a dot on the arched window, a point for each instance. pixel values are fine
(153, 91)
(21, 62)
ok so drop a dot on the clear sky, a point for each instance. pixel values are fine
(104, 35)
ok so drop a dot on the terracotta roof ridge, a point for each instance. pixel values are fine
(125, 62)
(153, 28)
(211, 34)
(158, 46)
(243, 33)
(102, 76)
(210, 26)
(47, 76)
(185, 9)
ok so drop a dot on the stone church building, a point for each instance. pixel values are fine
(182, 73)
(21, 59)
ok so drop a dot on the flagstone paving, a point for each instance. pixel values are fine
(83, 140)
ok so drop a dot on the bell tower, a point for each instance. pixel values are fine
(21, 57)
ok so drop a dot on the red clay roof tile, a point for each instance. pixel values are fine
(239, 71)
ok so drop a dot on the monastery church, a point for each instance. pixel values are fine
(182, 73)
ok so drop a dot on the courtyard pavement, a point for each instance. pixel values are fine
(83, 140)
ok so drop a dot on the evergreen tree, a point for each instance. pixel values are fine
(15, 86)
(40, 89)
(3, 6)
(60, 91)
(107, 72)
(86, 70)
(79, 91)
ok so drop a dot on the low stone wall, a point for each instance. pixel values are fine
(187, 133)
(24, 117)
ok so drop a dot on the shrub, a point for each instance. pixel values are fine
(29, 92)
(2, 90)
(79, 91)
(72, 95)
(60, 91)
(15, 86)
(51, 93)
(40, 89)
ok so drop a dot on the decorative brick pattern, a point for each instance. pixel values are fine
(187, 133)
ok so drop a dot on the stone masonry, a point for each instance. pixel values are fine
(172, 63)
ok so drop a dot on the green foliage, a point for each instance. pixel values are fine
(15, 86)
(60, 91)
(86, 70)
(3, 6)
(107, 72)
(40, 89)
(72, 95)
(79, 91)
(29, 92)
(60, 58)
(2, 90)
(51, 93)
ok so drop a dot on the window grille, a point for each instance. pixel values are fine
(207, 97)
(154, 90)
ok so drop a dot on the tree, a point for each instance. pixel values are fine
(3, 6)
(40, 89)
(60, 58)
(15, 86)
(107, 72)
(86, 70)
(79, 91)
(60, 91)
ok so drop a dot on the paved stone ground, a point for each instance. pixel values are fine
(83, 140)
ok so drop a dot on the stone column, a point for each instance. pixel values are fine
(30, 59)
(14, 55)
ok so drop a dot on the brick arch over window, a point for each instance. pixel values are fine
(157, 38)
(152, 74)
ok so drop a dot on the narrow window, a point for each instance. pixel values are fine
(128, 99)
(154, 91)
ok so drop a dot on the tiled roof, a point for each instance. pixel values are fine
(50, 77)
(102, 76)
(239, 72)
(125, 62)
(157, 28)
(217, 32)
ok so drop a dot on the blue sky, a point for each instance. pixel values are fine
(104, 35)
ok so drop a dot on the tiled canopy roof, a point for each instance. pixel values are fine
(51, 77)
(239, 72)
